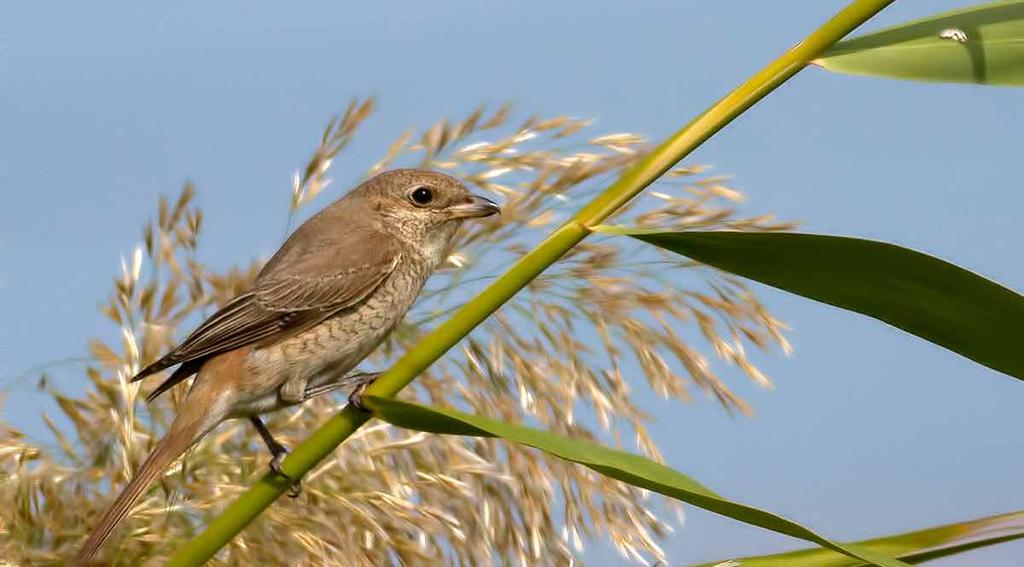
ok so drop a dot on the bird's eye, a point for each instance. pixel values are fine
(422, 196)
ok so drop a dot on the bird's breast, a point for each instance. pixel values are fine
(342, 341)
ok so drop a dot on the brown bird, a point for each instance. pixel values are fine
(335, 289)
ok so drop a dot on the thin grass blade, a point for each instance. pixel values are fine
(911, 547)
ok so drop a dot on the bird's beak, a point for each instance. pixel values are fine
(477, 207)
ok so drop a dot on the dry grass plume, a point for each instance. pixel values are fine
(566, 354)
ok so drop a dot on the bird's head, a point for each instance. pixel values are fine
(424, 208)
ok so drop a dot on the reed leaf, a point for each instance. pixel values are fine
(620, 465)
(980, 44)
(921, 294)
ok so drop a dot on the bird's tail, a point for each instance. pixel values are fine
(180, 437)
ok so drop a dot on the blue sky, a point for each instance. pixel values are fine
(868, 430)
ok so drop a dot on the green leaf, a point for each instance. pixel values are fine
(920, 294)
(981, 44)
(912, 547)
(633, 469)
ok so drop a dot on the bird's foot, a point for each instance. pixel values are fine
(355, 399)
(276, 460)
(363, 382)
(277, 454)
(280, 453)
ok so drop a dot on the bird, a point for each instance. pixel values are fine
(336, 288)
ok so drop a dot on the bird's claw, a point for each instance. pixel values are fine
(362, 381)
(275, 465)
(355, 399)
(276, 460)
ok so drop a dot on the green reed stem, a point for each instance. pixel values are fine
(342, 425)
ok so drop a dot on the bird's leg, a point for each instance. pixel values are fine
(360, 380)
(315, 391)
(278, 452)
(277, 449)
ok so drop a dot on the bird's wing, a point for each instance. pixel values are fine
(303, 284)
(319, 289)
